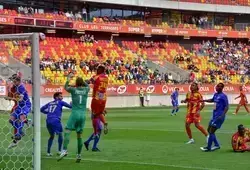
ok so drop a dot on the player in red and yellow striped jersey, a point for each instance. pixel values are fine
(243, 101)
(194, 106)
(99, 97)
(98, 105)
(240, 140)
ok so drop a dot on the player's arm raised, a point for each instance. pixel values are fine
(66, 86)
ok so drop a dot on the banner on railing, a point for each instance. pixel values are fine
(119, 28)
(128, 90)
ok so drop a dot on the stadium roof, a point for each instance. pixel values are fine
(166, 4)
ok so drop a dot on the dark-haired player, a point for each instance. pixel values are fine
(76, 121)
(240, 140)
(194, 106)
(174, 101)
(243, 101)
(53, 110)
(219, 114)
(19, 114)
(99, 100)
(12, 96)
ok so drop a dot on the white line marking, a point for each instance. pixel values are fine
(163, 130)
(141, 163)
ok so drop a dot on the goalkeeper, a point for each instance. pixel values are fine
(76, 121)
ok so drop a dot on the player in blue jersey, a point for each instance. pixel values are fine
(174, 100)
(19, 114)
(53, 110)
(219, 114)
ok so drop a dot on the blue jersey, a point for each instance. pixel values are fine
(221, 103)
(174, 96)
(54, 109)
(22, 92)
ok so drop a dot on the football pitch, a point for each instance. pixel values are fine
(150, 139)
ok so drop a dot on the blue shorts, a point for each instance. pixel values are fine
(54, 127)
(216, 123)
(20, 111)
(175, 103)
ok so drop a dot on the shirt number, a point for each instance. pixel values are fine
(103, 85)
(80, 99)
(52, 108)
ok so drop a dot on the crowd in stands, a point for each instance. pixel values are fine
(200, 21)
(229, 57)
(87, 38)
(69, 15)
(136, 73)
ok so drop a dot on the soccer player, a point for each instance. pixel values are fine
(12, 96)
(174, 100)
(19, 115)
(243, 101)
(97, 127)
(53, 110)
(76, 121)
(240, 139)
(219, 114)
(194, 106)
(99, 98)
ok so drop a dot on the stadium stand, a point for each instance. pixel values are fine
(59, 56)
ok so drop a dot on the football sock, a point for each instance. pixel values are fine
(177, 110)
(60, 141)
(216, 143)
(189, 133)
(173, 110)
(96, 140)
(50, 142)
(201, 128)
(66, 141)
(79, 145)
(90, 138)
(210, 141)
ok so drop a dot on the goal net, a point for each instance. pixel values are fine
(19, 76)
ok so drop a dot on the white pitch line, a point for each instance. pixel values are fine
(161, 130)
(141, 163)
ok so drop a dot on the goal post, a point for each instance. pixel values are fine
(35, 155)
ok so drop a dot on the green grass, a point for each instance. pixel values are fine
(149, 139)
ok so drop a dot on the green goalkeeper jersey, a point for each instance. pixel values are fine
(79, 97)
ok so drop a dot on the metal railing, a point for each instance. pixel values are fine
(219, 2)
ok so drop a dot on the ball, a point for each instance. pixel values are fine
(42, 36)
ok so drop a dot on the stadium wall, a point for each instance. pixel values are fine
(123, 101)
(179, 5)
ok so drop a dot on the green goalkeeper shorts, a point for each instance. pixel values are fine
(76, 121)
